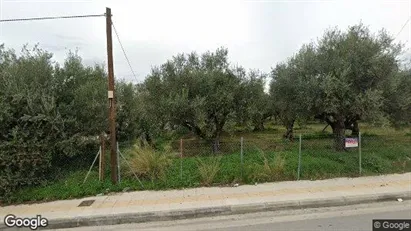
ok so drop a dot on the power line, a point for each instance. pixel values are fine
(48, 18)
(124, 52)
(403, 27)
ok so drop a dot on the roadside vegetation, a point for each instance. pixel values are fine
(384, 151)
(346, 83)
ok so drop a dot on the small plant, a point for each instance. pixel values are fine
(270, 170)
(208, 169)
(148, 163)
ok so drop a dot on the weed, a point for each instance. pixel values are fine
(208, 169)
(270, 170)
(148, 163)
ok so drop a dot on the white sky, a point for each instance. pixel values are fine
(258, 34)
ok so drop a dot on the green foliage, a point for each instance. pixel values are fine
(397, 99)
(208, 168)
(319, 161)
(344, 77)
(355, 66)
(200, 93)
(128, 111)
(22, 165)
(317, 135)
(51, 114)
(252, 105)
(375, 163)
(368, 134)
(293, 85)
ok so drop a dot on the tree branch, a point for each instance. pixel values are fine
(194, 128)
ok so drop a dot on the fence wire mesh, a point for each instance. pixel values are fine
(312, 157)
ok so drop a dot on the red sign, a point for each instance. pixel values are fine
(351, 142)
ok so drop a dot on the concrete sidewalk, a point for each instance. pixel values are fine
(145, 206)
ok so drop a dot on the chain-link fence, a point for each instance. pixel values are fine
(252, 159)
(248, 160)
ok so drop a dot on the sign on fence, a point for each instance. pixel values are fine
(351, 142)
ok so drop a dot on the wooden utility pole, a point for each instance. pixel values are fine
(111, 94)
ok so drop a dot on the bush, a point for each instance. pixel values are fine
(148, 163)
(21, 165)
(49, 117)
(208, 169)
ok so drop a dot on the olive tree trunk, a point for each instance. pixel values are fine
(339, 135)
(289, 133)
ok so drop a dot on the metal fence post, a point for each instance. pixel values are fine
(181, 159)
(299, 159)
(118, 163)
(359, 152)
(125, 160)
(91, 167)
(242, 158)
(100, 165)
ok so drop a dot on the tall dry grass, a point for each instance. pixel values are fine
(148, 163)
(271, 169)
(208, 169)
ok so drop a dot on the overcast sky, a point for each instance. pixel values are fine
(258, 34)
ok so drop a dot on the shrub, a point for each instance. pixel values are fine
(22, 165)
(208, 169)
(148, 163)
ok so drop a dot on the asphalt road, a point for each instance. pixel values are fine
(356, 217)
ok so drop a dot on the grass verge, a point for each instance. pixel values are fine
(379, 155)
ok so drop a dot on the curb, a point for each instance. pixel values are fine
(142, 217)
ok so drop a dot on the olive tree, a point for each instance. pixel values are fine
(354, 67)
(293, 88)
(196, 92)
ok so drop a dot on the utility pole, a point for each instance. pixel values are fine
(111, 99)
